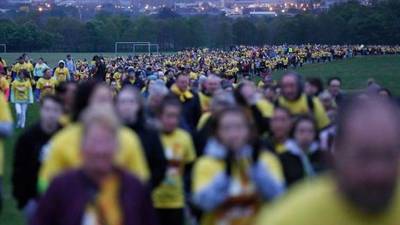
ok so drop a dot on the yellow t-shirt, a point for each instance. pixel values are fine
(61, 74)
(5, 116)
(301, 106)
(22, 90)
(64, 153)
(18, 67)
(179, 151)
(242, 190)
(46, 86)
(317, 201)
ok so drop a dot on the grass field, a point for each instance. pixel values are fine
(354, 72)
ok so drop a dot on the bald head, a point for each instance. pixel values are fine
(367, 150)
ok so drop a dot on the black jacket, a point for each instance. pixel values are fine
(28, 150)
(293, 168)
(191, 112)
(154, 151)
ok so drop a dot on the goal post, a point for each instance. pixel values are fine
(132, 46)
(3, 48)
(157, 47)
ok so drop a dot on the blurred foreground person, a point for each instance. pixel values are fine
(28, 153)
(98, 192)
(233, 178)
(280, 127)
(169, 196)
(303, 157)
(5, 131)
(63, 152)
(130, 108)
(363, 188)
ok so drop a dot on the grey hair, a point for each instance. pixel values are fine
(223, 98)
(158, 88)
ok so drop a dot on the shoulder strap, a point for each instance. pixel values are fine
(310, 103)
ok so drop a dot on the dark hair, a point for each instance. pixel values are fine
(62, 87)
(53, 98)
(334, 78)
(82, 95)
(179, 74)
(25, 73)
(238, 95)
(301, 119)
(317, 82)
(386, 90)
(169, 100)
(45, 70)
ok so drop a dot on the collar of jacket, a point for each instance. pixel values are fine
(216, 150)
(183, 96)
(295, 149)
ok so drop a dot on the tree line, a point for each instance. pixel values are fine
(349, 23)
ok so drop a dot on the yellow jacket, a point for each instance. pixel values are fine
(63, 153)
(231, 198)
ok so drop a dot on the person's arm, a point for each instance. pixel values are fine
(36, 71)
(157, 162)
(267, 174)
(30, 93)
(211, 194)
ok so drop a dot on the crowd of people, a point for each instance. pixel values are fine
(201, 137)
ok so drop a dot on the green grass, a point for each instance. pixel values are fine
(10, 214)
(354, 72)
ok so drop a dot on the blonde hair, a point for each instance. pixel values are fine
(102, 114)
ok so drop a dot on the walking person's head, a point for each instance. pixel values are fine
(90, 93)
(304, 131)
(334, 86)
(129, 104)
(292, 86)
(100, 140)
(232, 128)
(367, 151)
(47, 73)
(51, 109)
(280, 124)
(182, 82)
(169, 113)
